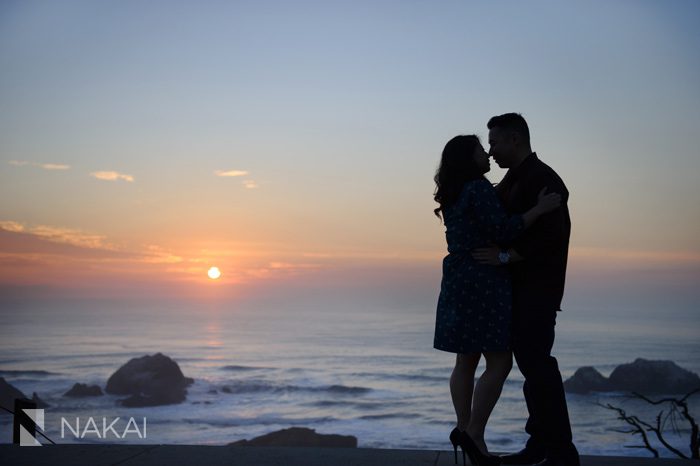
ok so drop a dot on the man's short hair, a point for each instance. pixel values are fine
(511, 122)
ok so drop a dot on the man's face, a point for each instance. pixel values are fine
(502, 147)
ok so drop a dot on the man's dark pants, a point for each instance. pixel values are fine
(548, 425)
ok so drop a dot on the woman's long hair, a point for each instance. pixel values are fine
(457, 166)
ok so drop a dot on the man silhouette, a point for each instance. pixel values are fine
(537, 262)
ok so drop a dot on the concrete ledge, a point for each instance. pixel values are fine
(181, 455)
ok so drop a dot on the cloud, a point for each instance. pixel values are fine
(292, 266)
(157, 255)
(231, 173)
(11, 226)
(249, 184)
(52, 166)
(42, 242)
(69, 236)
(59, 235)
(112, 176)
(45, 166)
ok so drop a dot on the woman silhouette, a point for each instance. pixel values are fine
(474, 308)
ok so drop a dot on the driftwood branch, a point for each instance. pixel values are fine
(658, 430)
(638, 427)
(678, 410)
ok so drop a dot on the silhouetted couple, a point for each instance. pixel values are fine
(502, 285)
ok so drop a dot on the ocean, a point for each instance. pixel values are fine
(367, 372)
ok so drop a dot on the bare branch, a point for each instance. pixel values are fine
(659, 435)
(639, 428)
(688, 395)
(678, 410)
(665, 400)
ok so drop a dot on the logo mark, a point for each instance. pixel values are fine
(33, 418)
(92, 427)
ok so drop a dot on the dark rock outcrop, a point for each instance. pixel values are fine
(641, 376)
(587, 379)
(8, 394)
(39, 402)
(299, 437)
(81, 390)
(646, 376)
(150, 380)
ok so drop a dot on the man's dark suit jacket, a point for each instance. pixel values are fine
(538, 281)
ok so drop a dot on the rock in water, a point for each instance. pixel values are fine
(8, 394)
(654, 377)
(587, 379)
(150, 380)
(299, 437)
(39, 402)
(80, 390)
(642, 376)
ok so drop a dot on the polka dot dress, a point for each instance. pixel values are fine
(474, 307)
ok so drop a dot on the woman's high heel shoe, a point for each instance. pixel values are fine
(456, 439)
(476, 457)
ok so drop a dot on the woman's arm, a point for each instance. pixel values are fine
(496, 256)
(492, 218)
(492, 256)
(545, 203)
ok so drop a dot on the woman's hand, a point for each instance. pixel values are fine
(547, 202)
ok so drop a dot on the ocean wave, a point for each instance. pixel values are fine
(257, 386)
(331, 403)
(375, 417)
(10, 361)
(264, 421)
(92, 366)
(407, 377)
(107, 356)
(345, 389)
(18, 372)
(363, 405)
(242, 368)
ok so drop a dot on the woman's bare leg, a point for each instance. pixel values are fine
(462, 387)
(486, 393)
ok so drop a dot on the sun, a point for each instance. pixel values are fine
(214, 273)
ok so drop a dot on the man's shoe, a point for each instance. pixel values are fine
(560, 461)
(525, 456)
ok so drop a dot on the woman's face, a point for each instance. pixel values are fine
(482, 159)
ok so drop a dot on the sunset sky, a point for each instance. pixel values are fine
(293, 144)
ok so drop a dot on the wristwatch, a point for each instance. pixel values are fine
(504, 257)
